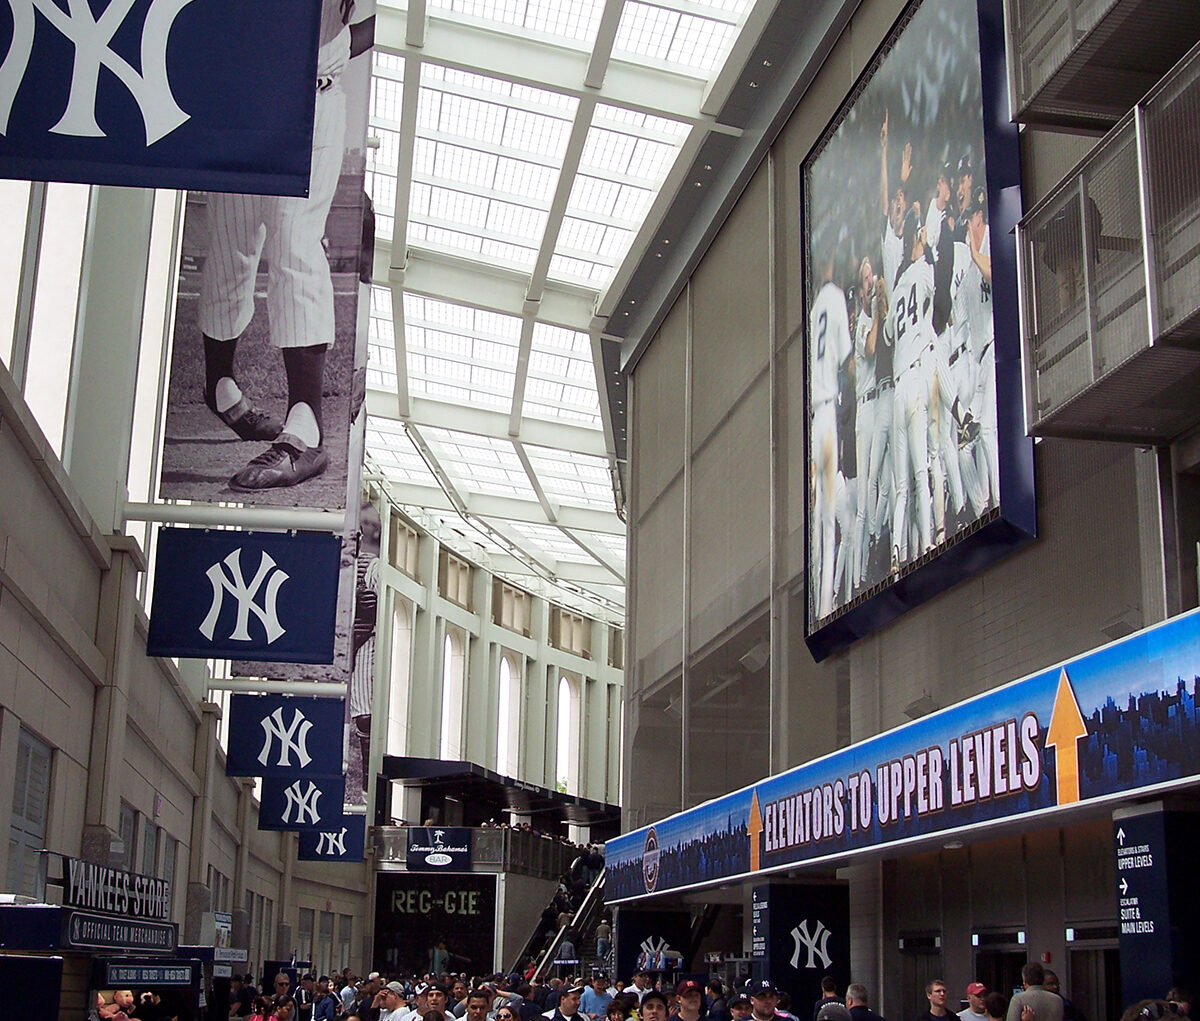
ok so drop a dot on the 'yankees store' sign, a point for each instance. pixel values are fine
(286, 737)
(250, 595)
(217, 95)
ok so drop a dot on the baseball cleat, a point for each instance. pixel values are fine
(248, 421)
(286, 462)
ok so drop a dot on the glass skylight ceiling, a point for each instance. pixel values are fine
(519, 188)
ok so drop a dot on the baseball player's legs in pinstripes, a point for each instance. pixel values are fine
(299, 302)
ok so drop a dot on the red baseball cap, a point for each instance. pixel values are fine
(976, 989)
(686, 988)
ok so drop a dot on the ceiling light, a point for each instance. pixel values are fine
(754, 85)
(766, 63)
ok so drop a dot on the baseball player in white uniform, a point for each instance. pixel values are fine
(288, 232)
(977, 285)
(867, 322)
(366, 604)
(829, 346)
(911, 325)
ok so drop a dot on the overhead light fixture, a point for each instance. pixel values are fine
(756, 657)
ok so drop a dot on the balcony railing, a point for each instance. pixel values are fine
(498, 847)
(1085, 63)
(1110, 279)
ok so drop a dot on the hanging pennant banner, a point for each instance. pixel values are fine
(300, 804)
(217, 95)
(285, 736)
(254, 595)
(345, 840)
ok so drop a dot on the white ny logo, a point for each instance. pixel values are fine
(91, 37)
(304, 803)
(820, 935)
(292, 738)
(332, 843)
(235, 584)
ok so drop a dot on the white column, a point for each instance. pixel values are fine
(104, 374)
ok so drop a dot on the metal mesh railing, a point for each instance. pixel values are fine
(1089, 304)
(1043, 35)
(1171, 125)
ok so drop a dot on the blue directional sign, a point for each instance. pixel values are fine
(250, 595)
(1121, 718)
(218, 95)
(285, 736)
(300, 803)
(344, 840)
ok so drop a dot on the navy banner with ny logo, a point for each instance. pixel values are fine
(218, 95)
(301, 804)
(250, 595)
(285, 736)
(345, 841)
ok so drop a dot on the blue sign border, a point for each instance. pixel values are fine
(1093, 729)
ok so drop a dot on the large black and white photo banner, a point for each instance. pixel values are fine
(160, 94)
(285, 736)
(262, 388)
(256, 595)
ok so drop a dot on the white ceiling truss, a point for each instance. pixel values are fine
(524, 153)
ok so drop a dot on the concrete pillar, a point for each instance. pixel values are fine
(108, 334)
(116, 641)
(199, 896)
(241, 917)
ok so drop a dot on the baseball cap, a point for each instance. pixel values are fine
(833, 1012)
(421, 989)
(964, 165)
(947, 171)
(373, 977)
(740, 1000)
(976, 989)
(687, 988)
(577, 989)
(762, 987)
(654, 994)
(395, 987)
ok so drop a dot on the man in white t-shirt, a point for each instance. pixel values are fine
(974, 1011)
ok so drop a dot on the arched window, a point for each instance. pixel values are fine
(453, 675)
(504, 718)
(566, 775)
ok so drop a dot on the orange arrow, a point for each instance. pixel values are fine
(1066, 728)
(755, 829)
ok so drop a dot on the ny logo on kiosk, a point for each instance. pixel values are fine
(816, 943)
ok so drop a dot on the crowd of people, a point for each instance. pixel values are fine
(514, 997)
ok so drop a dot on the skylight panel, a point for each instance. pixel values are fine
(515, 254)
(459, 163)
(571, 19)
(387, 154)
(563, 268)
(557, 337)
(382, 189)
(700, 43)
(472, 118)
(554, 412)
(516, 221)
(646, 31)
(593, 195)
(387, 96)
(458, 207)
(631, 203)
(520, 177)
(446, 238)
(651, 160)
(607, 150)
(548, 364)
(389, 61)
(531, 132)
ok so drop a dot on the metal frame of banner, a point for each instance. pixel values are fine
(274, 518)
(253, 686)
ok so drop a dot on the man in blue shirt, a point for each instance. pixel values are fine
(595, 1000)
